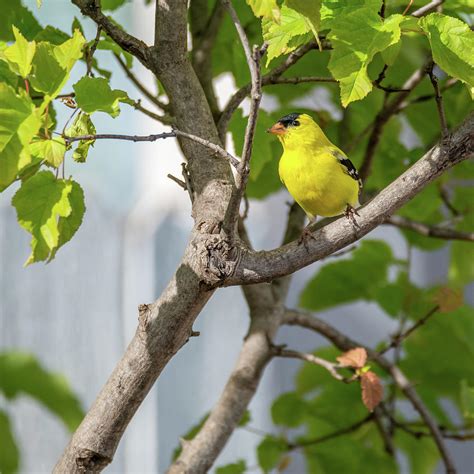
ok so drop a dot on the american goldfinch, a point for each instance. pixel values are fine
(318, 175)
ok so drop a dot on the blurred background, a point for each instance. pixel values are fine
(77, 314)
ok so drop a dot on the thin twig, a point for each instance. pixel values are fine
(399, 338)
(428, 230)
(423, 98)
(158, 136)
(331, 367)
(296, 80)
(427, 8)
(253, 57)
(388, 110)
(140, 86)
(407, 7)
(164, 119)
(444, 195)
(91, 51)
(178, 181)
(439, 100)
(335, 434)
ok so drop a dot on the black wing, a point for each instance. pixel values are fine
(349, 168)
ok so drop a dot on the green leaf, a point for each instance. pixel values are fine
(51, 150)
(7, 75)
(356, 38)
(265, 8)
(461, 271)
(50, 210)
(9, 454)
(53, 64)
(112, 4)
(310, 10)
(269, 452)
(335, 9)
(291, 26)
(390, 54)
(344, 281)
(245, 420)
(81, 126)
(238, 467)
(436, 354)
(467, 400)
(452, 43)
(52, 35)
(19, 123)
(21, 374)
(14, 13)
(95, 94)
(289, 409)
(47, 75)
(20, 54)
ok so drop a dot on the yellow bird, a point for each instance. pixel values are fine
(318, 175)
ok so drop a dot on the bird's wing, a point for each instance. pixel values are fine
(347, 165)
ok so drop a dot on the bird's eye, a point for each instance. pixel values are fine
(295, 123)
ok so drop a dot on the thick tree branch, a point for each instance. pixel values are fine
(257, 267)
(435, 231)
(344, 343)
(126, 41)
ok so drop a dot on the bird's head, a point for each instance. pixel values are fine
(298, 129)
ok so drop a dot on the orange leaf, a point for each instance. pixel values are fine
(354, 358)
(372, 390)
(448, 299)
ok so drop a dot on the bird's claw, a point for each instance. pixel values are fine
(305, 237)
(350, 214)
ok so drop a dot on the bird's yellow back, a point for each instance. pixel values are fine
(317, 174)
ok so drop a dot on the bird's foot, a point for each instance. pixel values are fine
(350, 214)
(305, 237)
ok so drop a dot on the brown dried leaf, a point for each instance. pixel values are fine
(372, 390)
(284, 463)
(354, 358)
(448, 299)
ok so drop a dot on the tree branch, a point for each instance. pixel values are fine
(151, 97)
(253, 57)
(257, 267)
(439, 101)
(427, 8)
(158, 136)
(389, 109)
(344, 343)
(331, 367)
(437, 232)
(129, 43)
(399, 338)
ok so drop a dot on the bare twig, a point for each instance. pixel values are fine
(437, 232)
(178, 181)
(331, 367)
(343, 342)
(126, 41)
(164, 119)
(253, 60)
(149, 95)
(389, 109)
(444, 195)
(158, 136)
(90, 51)
(296, 80)
(335, 434)
(407, 7)
(427, 8)
(439, 100)
(399, 338)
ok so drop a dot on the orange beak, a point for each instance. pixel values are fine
(277, 129)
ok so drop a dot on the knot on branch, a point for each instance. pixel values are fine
(218, 259)
(90, 461)
(143, 311)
